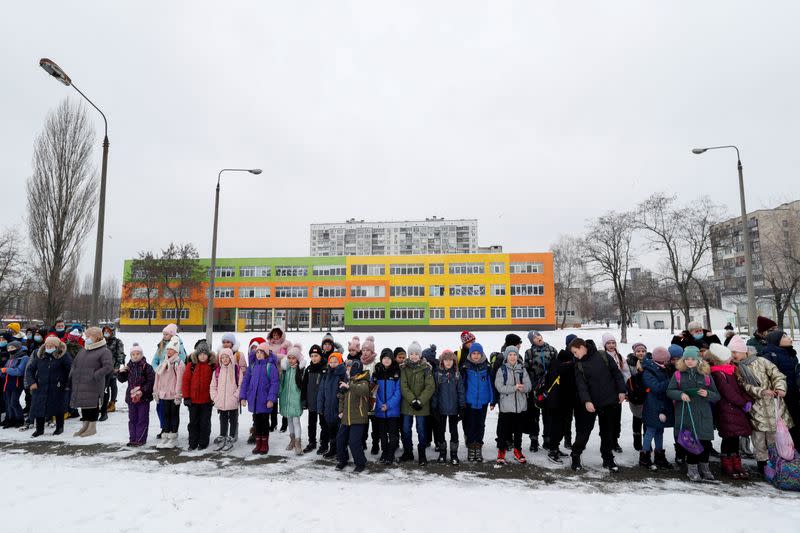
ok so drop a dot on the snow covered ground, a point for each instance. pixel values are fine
(96, 484)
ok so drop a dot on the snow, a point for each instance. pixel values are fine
(96, 484)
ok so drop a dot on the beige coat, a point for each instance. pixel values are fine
(762, 414)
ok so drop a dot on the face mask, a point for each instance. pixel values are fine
(3, 344)
(698, 336)
(106, 334)
(50, 350)
(60, 330)
(12, 353)
(37, 338)
(29, 335)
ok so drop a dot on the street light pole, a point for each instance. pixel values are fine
(748, 247)
(54, 70)
(213, 273)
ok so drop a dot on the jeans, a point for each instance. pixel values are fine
(510, 430)
(200, 424)
(315, 418)
(702, 457)
(351, 436)
(584, 424)
(171, 414)
(138, 422)
(229, 423)
(408, 420)
(389, 434)
(442, 421)
(475, 424)
(658, 434)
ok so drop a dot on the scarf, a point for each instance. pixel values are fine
(725, 369)
(368, 360)
(747, 372)
(94, 345)
(166, 363)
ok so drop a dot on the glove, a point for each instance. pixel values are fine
(187, 402)
(416, 405)
(747, 407)
(177, 401)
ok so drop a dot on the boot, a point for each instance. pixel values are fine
(284, 424)
(645, 461)
(84, 427)
(257, 449)
(91, 429)
(727, 467)
(423, 460)
(252, 438)
(169, 440)
(761, 466)
(519, 457)
(737, 465)
(680, 455)
(692, 473)
(611, 465)
(331, 453)
(298, 447)
(408, 455)
(442, 449)
(554, 457)
(576, 463)
(471, 453)
(617, 447)
(534, 444)
(479, 453)
(112, 406)
(705, 472)
(661, 460)
(454, 454)
(103, 417)
(637, 442)
(164, 441)
(376, 447)
(323, 449)
(39, 429)
(265, 444)
(501, 457)
(290, 446)
(310, 447)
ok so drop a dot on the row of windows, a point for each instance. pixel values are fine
(438, 313)
(166, 314)
(371, 291)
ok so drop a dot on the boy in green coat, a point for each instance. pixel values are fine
(416, 388)
(354, 400)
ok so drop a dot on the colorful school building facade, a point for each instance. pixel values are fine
(450, 292)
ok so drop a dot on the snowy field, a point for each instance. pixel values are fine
(96, 484)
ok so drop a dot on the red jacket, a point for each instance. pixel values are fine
(197, 382)
(729, 414)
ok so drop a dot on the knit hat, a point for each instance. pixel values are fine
(264, 347)
(230, 337)
(571, 337)
(694, 324)
(256, 341)
(429, 352)
(691, 352)
(763, 324)
(369, 344)
(354, 344)
(512, 339)
(720, 352)
(533, 334)
(476, 348)
(774, 337)
(172, 329)
(399, 350)
(447, 355)
(337, 356)
(414, 347)
(608, 337)
(737, 344)
(510, 349)
(14, 327)
(660, 354)
(675, 351)
(296, 351)
(200, 347)
(328, 337)
(466, 337)
(134, 348)
(315, 349)
(174, 344)
(638, 345)
(226, 351)
(75, 334)
(52, 340)
(387, 352)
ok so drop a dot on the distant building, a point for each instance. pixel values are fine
(408, 237)
(660, 319)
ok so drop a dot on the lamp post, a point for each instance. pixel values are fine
(55, 71)
(213, 274)
(748, 249)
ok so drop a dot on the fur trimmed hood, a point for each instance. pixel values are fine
(301, 363)
(61, 349)
(212, 358)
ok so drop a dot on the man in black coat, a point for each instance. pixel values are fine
(600, 388)
(695, 335)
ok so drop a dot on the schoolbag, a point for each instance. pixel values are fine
(636, 389)
(541, 392)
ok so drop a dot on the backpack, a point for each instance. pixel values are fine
(636, 389)
(504, 370)
(541, 392)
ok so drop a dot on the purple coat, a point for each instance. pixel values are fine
(139, 374)
(729, 415)
(261, 385)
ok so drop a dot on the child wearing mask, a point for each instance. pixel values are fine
(141, 378)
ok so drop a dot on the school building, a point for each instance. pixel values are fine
(361, 293)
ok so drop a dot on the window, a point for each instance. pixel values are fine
(527, 267)
(367, 270)
(467, 290)
(498, 290)
(436, 290)
(407, 290)
(330, 270)
(141, 293)
(406, 270)
(369, 313)
(467, 268)
(467, 312)
(527, 290)
(436, 269)
(253, 292)
(139, 273)
(497, 268)
(570, 312)
(222, 292)
(527, 311)
(330, 292)
(222, 272)
(291, 292)
(498, 312)
(368, 291)
(255, 271)
(141, 314)
(170, 314)
(407, 313)
(436, 313)
(291, 271)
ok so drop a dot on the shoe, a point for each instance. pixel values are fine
(660, 460)
(519, 457)
(442, 449)
(331, 453)
(501, 457)
(84, 427)
(611, 465)
(479, 453)
(112, 407)
(290, 446)
(617, 448)
(705, 472)
(103, 417)
(568, 444)
(692, 473)
(534, 444)
(562, 454)
(192, 447)
(555, 457)
(298, 447)
(637, 442)
(358, 469)
(470, 453)
(340, 466)
(23, 426)
(737, 465)
(454, 454)
(310, 447)
(576, 463)
(59, 430)
(646, 462)
(37, 433)
(376, 448)
(219, 440)
(220, 444)
(227, 445)
(423, 460)
(728, 468)
(322, 450)
(408, 455)
(90, 430)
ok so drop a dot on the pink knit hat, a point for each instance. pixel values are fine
(608, 337)
(264, 347)
(369, 344)
(737, 344)
(226, 351)
(354, 344)
(297, 352)
(660, 355)
(172, 329)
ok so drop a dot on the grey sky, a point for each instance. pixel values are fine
(530, 116)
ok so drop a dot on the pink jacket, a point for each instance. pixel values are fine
(280, 347)
(169, 379)
(225, 387)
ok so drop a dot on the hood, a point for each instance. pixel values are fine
(648, 363)
(381, 372)
(725, 369)
(280, 339)
(60, 350)
(517, 366)
(301, 363)
(339, 372)
(565, 356)
(256, 340)
(271, 358)
(472, 364)
(423, 363)
(212, 358)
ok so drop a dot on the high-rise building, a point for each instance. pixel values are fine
(408, 237)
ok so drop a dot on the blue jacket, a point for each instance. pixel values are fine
(388, 391)
(260, 385)
(327, 397)
(161, 353)
(449, 398)
(656, 380)
(786, 361)
(478, 387)
(15, 371)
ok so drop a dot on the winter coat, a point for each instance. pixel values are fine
(622, 364)
(388, 390)
(327, 397)
(280, 346)
(354, 400)
(50, 373)
(762, 414)
(559, 383)
(161, 352)
(656, 380)
(758, 342)
(729, 412)
(291, 403)
(309, 390)
(226, 386)
(538, 360)
(631, 364)
(169, 379)
(261, 384)
(478, 386)
(448, 398)
(510, 399)
(598, 379)
(140, 374)
(691, 380)
(416, 383)
(685, 339)
(786, 361)
(196, 380)
(117, 348)
(88, 375)
(14, 375)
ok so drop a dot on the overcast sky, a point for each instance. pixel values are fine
(529, 116)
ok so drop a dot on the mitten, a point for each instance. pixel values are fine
(177, 401)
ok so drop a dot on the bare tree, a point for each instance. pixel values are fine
(780, 259)
(110, 299)
(608, 249)
(181, 276)
(569, 272)
(13, 275)
(61, 196)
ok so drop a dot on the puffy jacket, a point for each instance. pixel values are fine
(598, 379)
(161, 352)
(505, 381)
(656, 380)
(50, 373)
(388, 390)
(88, 375)
(260, 385)
(692, 380)
(758, 342)
(729, 415)
(312, 378)
(478, 388)
(291, 404)
(327, 397)
(354, 400)
(416, 383)
(226, 386)
(140, 374)
(197, 380)
(768, 376)
(169, 379)
(117, 348)
(14, 375)
(448, 398)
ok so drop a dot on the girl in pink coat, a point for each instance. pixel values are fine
(224, 390)
(168, 391)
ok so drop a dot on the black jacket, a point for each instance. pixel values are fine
(309, 389)
(598, 379)
(685, 339)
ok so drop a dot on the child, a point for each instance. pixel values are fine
(675, 353)
(557, 396)
(400, 356)
(354, 349)
(513, 384)
(290, 403)
(416, 389)
(478, 394)
(369, 361)
(251, 357)
(328, 400)
(448, 402)
(259, 393)
(13, 376)
(657, 411)
(387, 404)
(280, 347)
(636, 390)
(353, 413)
(763, 382)
(225, 391)
(229, 341)
(197, 396)
(46, 376)
(610, 347)
(167, 391)
(730, 413)
(312, 377)
(693, 390)
(141, 378)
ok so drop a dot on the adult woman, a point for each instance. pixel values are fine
(46, 376)
(88, 379)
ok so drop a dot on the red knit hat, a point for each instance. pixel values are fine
(466, 337)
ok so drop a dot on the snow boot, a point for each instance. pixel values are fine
(470, 453)
(501, 457)
(705, 472)
(479, 453)
(646, 462)
(576, 463)
(423, 460)
(442, 449)
(84, 427)
(257, 449)
(265, 444)
(290, 446)
(408, 455)
(112, 406)
(310, 447)
(298, 447)
(323, 449)
(637, 442)
(521, 459)
(692, 473)
(534, 444)
(661, 460)
(611, 465)
(454, 454)
(737, 465)
(554, 457)
(728, 468)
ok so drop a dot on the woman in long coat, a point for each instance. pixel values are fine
(46, 377)
(88, 380)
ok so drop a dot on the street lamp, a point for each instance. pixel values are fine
(213, 274)
(55, 71)
(748, 253)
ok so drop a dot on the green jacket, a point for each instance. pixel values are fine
(691, 381)
(416, 383)
(758, 342)
(289, 399)
(354, 401)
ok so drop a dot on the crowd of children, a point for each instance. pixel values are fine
(696, 385)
